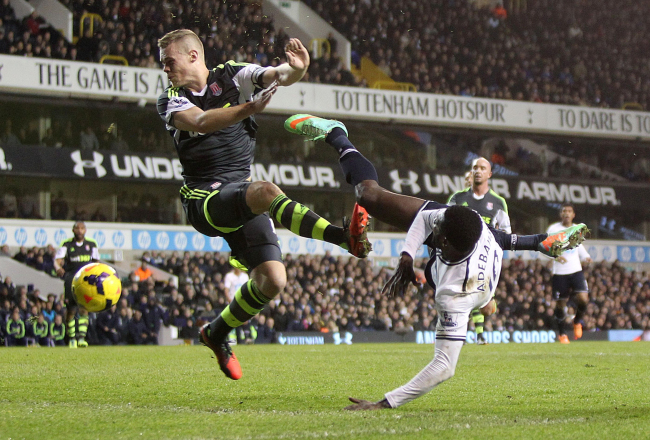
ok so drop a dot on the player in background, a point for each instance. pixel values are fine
(210, 115)
(492, 208)
(72, 255)
(468, 178)
(465, 261)
(568, 279)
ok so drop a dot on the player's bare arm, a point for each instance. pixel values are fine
(209, 121)
(294, 69)
(58, 266)
(403, 276)
(364, 405)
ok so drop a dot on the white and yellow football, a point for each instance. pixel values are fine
(96, 287)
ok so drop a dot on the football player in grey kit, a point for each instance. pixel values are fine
(465, 261)
(211, 116)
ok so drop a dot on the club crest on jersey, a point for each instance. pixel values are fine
(489, 206)
(215, 185)
(87, 247)
(216, 90)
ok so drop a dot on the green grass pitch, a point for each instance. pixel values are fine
(587, 390)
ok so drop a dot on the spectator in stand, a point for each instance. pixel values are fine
(8, 138)
(57, 331)
(107, 323)
(143, 272)
(124, 318)
(233, 281)
(153, 317)
(88, 140)
(298, 323)
(15, 330)
(59, 208)
(138, 332)
(265, 332)
(41, 330)
(189, 331)
(282, 319)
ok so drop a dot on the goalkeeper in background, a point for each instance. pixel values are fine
(493, 210)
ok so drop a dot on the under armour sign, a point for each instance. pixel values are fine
(398, 182)
(81, 164)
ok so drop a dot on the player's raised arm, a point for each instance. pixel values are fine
(294, 69)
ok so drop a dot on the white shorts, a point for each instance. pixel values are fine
(453, 313)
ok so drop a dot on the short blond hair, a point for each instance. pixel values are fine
(186, 36)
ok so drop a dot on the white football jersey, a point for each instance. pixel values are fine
(477, 273)
(573, 256)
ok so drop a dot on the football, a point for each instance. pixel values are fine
(96, 287)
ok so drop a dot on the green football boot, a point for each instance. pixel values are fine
(564, 240)
(313, 127)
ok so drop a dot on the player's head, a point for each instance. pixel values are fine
(79, 230)
(567, 213)
(461, 228)
(468, 179)
(481, 171)
(182, 56)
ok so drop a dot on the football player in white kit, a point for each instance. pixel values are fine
(464, 269)
(568, 279)
(465, 262)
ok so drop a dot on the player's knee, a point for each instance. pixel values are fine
(489, 309)
(582, 298)
(272, 284)
(367, 193)
(260, 195)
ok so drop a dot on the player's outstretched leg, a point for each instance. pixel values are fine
(394, 209)
(300, 220)
(566, 239)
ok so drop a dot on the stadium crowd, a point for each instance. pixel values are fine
(562, 52)
(323, 294)
(577, 52)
